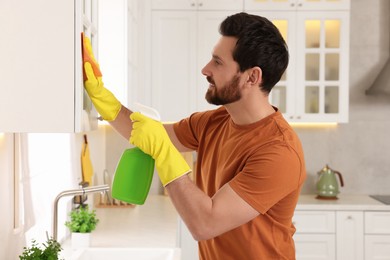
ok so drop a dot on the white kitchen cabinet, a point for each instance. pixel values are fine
(350, 235)
(297, 4)
(315, 246)
(315, 87)
(41, 81)
(315, 237)
(361, 228)
(182, 42)
(353, 227)
(377, 235)
(215, 5)
(118, 58)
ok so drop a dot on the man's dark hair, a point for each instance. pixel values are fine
(259, 44)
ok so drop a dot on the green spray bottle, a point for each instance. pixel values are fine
(134, 172)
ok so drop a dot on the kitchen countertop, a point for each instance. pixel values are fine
(344, 202)
(152, 225)
(155, 224)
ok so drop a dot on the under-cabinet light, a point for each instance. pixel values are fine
(314, 125)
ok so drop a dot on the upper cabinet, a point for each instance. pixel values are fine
(315, 86)
(277, 5)
(209, 5)
(41, 80)
(182, 40)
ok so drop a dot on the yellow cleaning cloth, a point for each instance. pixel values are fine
(86, 164)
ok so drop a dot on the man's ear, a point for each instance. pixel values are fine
(255, 75)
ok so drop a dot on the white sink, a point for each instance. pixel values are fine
(101, 253)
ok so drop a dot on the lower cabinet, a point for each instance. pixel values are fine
(377, 235)
(315, 246)
(350, 235)
(342, 235)
(327, 235)
(315, 238)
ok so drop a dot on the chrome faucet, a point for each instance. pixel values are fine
(82, 191)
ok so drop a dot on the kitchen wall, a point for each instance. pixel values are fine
(360, 149)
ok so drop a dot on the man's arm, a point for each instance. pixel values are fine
(208, 217)
(123, 125)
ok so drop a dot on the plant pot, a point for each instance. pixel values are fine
(81, 240)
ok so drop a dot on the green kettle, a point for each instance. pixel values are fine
(327, 184)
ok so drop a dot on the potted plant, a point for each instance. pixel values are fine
(50, 252)
(82, 222)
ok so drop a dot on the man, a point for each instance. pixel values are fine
(250, 165)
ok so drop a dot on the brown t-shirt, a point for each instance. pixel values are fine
(264, 164)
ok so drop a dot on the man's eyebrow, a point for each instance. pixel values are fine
(216, 57)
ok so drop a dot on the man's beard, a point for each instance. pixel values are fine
(225, 95)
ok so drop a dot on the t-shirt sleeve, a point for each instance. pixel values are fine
(189, 130)
(270, 174)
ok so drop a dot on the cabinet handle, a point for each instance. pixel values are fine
(349, 218)
(200, 4)
(193, 4)
(292, 4)
(298, 117)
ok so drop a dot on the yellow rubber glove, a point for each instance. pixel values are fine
(104, 101)
(150, 136)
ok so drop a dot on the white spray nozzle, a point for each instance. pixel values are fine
(147, 111)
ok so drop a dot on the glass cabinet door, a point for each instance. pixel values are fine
(322, 57)
(314, 87)
(283, 94)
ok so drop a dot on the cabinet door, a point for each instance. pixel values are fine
(208, 36)
(197, 4)
(174, 4)
(377, 222)
(252, 5)
(322, 5)
(266, 5)
(377, 247)
(314, 222)
(314, 87)
(41, 77)
(322, 63)
(232, 5)
(86, 19)
(283, 94)
(187, 244)
(350, 235)
(173, 63)
(315, 246)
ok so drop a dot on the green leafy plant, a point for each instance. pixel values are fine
(50, 252)
(82, 220)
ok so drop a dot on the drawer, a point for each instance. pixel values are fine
(315, 247)
(377, 222)
(314, 221)
(377, 247)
